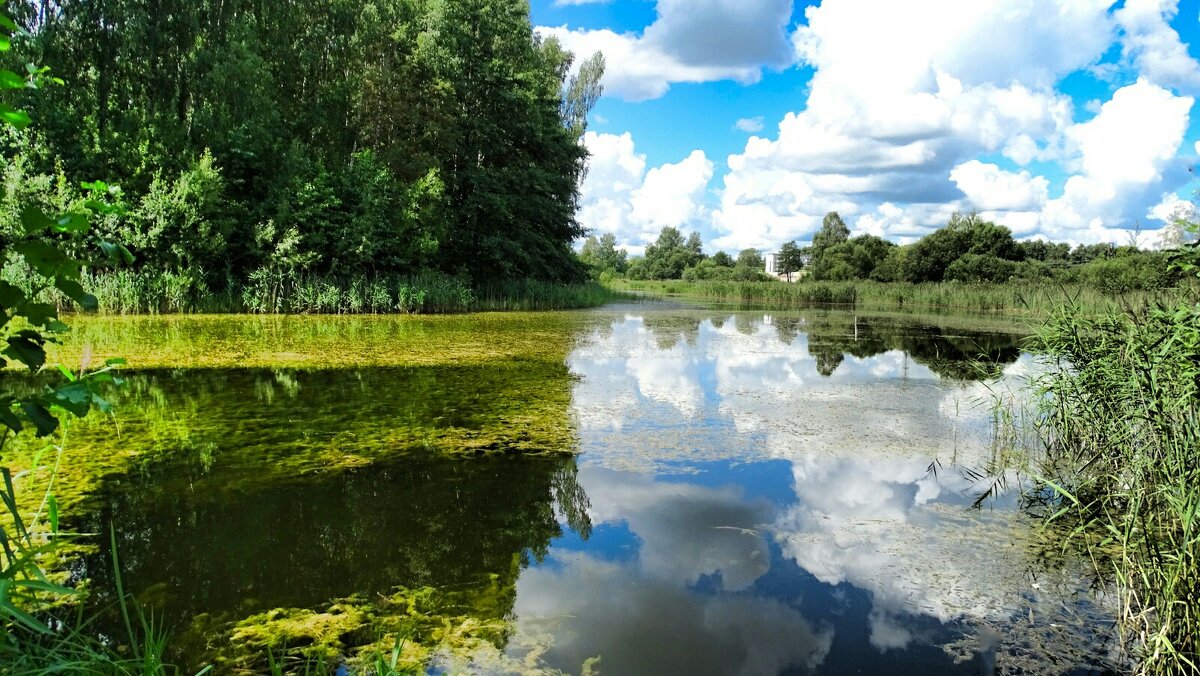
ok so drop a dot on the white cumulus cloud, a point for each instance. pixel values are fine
(906, 99)
(620, 196)
(690, 41)
(750, 125)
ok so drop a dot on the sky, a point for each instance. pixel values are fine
(748, 120)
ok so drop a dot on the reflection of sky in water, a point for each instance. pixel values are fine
(756, 515)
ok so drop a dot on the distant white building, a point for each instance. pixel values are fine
(772, 267)
(773, 264)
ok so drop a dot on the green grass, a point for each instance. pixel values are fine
(1119, 466)
(126, 292)
(1016, 299)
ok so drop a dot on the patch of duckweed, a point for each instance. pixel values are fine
(308, 342)
(423, 621)
(228, 430)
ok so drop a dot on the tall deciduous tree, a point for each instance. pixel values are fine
(750, 258)
(370, 136)
(791, 259)
(670, 255)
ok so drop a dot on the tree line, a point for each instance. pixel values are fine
(260, 143)
(969, 248)
(671, 256)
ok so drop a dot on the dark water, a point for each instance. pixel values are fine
(752, 494)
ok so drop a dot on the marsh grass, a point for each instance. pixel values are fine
(1016, 298)
(143, 292)
(64, 638)
(1118, 468)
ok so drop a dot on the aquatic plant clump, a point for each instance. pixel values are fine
(418, 623)
(1120, 420)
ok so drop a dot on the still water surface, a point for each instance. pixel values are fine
(716, 493)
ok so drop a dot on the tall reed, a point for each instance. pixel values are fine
(1120, 465)
(127, 291)
(1016, 298)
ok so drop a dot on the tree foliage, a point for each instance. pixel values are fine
(669, 256)
(317, 136)
(791, 259)
(602, 255)
(751, 258)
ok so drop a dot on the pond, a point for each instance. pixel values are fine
(643, 489)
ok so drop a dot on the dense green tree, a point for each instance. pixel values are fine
(751, 258)
(894, 267)
(669, 256)
(791, 259)
(376, 137)
(1086, 253)
(723, 259)
(964, 234)
(833, 231)
(855, 258)
(980, 268)
(1038, 250)
(710, 269)
(603, 255)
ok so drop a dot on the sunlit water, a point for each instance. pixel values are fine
(752, 494)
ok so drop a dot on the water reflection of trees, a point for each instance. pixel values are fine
(669, 328)
(961, 356)
(831, 337)
(309, 420)
(300, 542)
(261, 489)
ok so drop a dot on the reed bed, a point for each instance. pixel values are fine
(1119, 425)
(142, 292)
(1014, 298)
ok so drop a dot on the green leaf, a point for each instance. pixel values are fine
(102, 403)
(26, 351)
(74, 290)
(44, 315)
(116, 253)
(16, 118)
(40, 417)
(5, 43)
(35, 220)
(53, 508)
(41, 256)
(23, 617)
(9, 24)
(44, 585)
(75, 397)
(10, 419)
(10, 80)
(10, 296)
(72, 223)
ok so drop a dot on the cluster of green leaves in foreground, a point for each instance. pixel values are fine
(266, 147)
(967, 249)
(1120, 419)
(54, 246)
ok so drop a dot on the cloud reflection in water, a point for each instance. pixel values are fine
(859, 412)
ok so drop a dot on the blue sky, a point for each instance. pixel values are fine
(1072, 121)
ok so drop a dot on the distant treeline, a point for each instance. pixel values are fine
(967, 249)
(259, 144)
